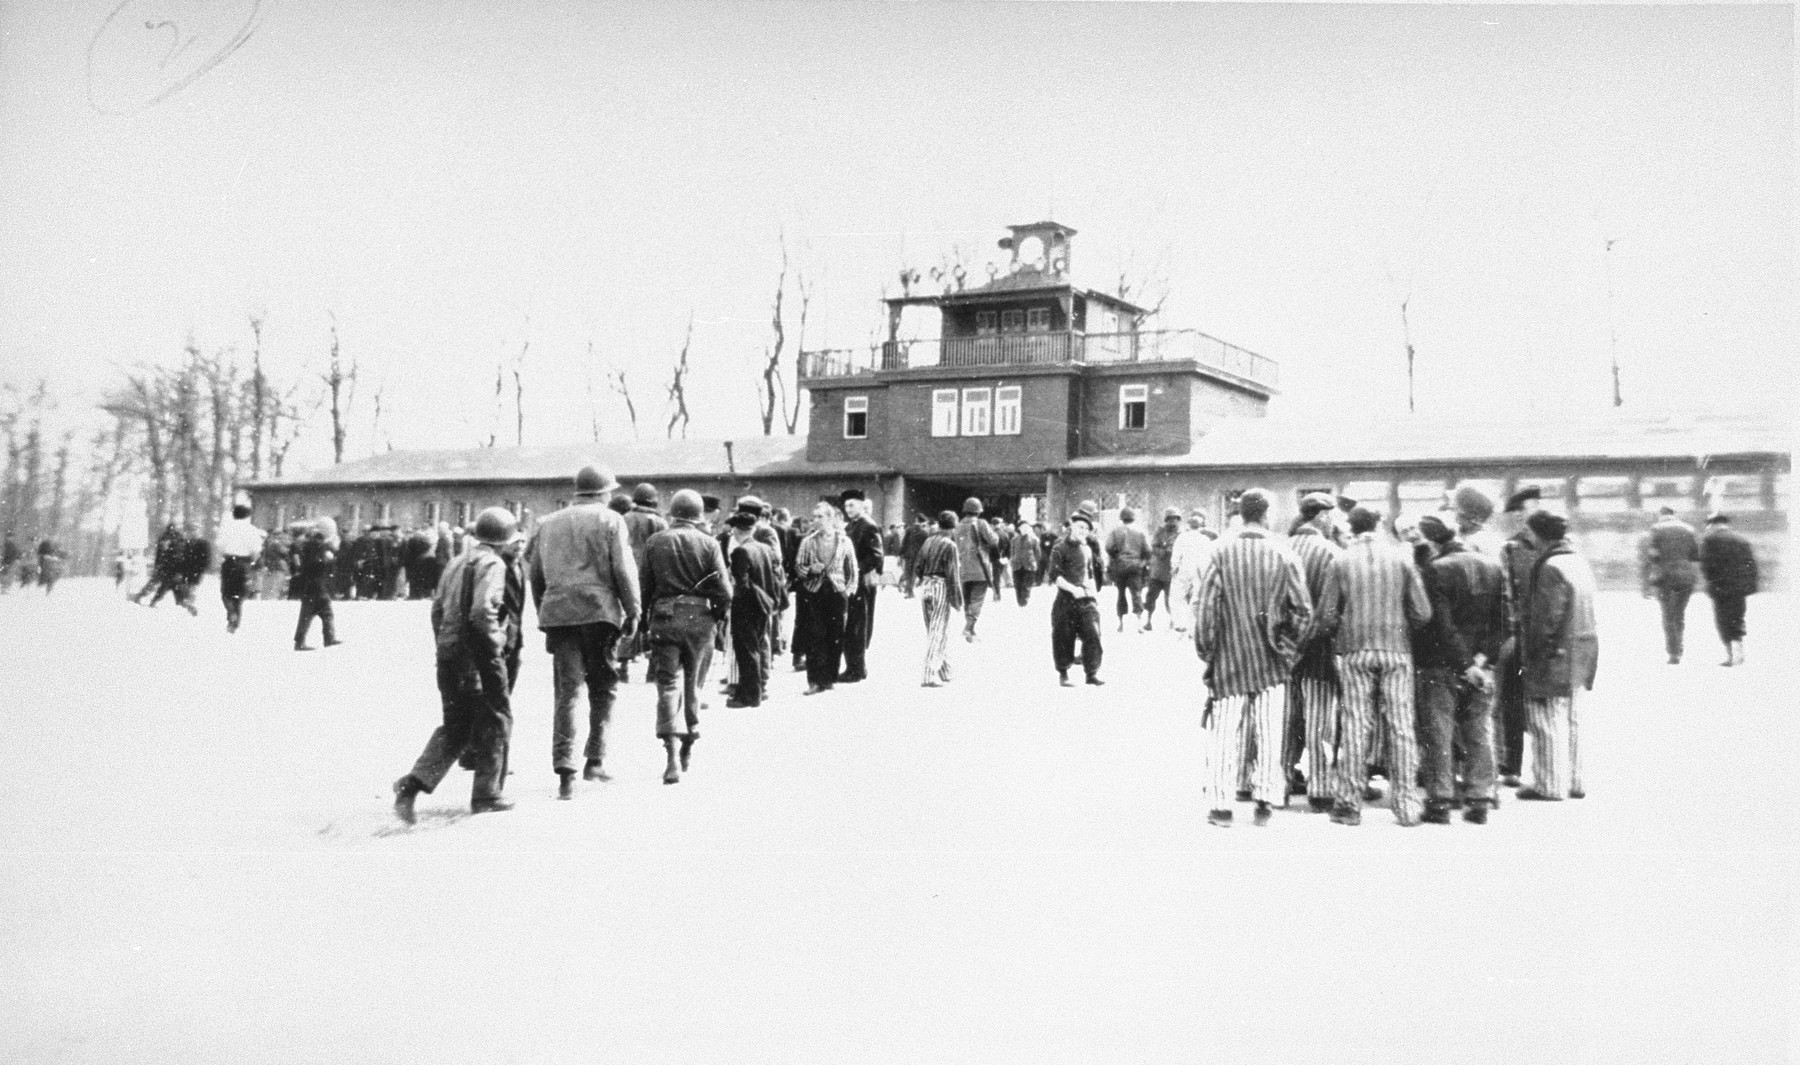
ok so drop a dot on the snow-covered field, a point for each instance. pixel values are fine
(198, 863)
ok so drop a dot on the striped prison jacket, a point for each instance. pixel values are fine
(1253, 608)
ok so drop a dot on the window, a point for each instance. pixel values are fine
(299, 511)
(515, 507)
(355, 521)
(1037, 320)
(976, 409)
(943, 412)
(434, 513)
(384, 512)
(856, 417)
(1012, 321)
(985, 322)
(1133, 402)
(1006, 410)
(462, 514)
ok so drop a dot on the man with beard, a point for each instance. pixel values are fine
(859, 623)
(584, 578)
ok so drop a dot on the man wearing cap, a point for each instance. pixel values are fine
(938, 580)
(976, 543)
(1074, 614)
(1374, 598)
(1559, 651)
(1473, 510)
(1454, 657)
(1026, 556)
(1312, 695)
(1161, 572)
(1518, 559)
(642, 521)
(476, 628)
(1668, 567)
(584, 578)
(757, 590)
(825, 567)
(859, 621)
(686, 590)
(1730, 568)
(914, 538)
(1253, 609)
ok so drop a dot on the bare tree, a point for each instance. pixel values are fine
(259, 399)
(341, 384)
(1405, 335)
(678, 385)
(593, 405)
(518, 373)
(1144, 286)
(772, 393)
(791, 411)
(615, 379)
(1612, 326)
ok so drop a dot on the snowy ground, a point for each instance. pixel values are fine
(198, 863)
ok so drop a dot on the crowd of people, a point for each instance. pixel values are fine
(1349, 648)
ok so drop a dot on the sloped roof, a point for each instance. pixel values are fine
(752, 456)
(1295, 440)
(1010, 284)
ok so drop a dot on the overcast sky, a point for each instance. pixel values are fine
(439, 174)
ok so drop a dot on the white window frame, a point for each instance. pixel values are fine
(356, 513)
(1037, 320)
(1128, 395)
(464, 513)
(977, 411)
(384, 512)
(1008, 416)
(856, 405)
(434, 513)
(945, 414)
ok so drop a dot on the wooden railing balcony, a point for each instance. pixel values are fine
(1044, 349)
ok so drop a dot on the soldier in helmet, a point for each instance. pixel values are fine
(477, 628)
(642, 522)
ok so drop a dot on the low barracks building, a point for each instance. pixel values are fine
(1033, 394)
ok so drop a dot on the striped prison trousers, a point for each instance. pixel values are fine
(934, 601)
(1312, 707)
(1232, 723)
(1555, 746)
(1377, 686)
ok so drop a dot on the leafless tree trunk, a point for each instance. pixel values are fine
(615, 379)
(342, 386)
(1146, 287)
(259, 399)
(678, 385)
(791, 410)
(772, 395)
(593, 405)
(1612, 325)
(1406, 334)
(518, 373)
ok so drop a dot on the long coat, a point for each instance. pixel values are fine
(1729, 564)
(1561, 640)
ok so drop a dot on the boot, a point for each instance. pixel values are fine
(565, 784)
(330, 627)
(592, 771)
(671, 774)
(406, 789)
(1737, 652)
(687, 747)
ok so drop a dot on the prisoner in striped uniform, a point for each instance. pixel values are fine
(937, 581)
(1313, 690)
(1253, 608)
(1561, 654)
(1373, 600)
